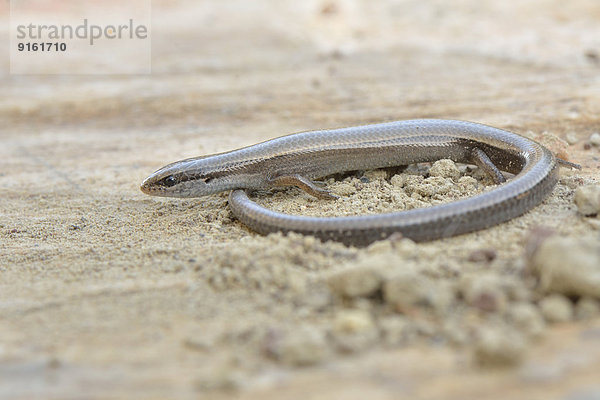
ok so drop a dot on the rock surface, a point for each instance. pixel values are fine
(570, 266)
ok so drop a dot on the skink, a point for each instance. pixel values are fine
(299, 158)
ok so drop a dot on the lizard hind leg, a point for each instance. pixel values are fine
(305, 184)
(482, 160)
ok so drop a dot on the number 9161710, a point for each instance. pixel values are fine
(42, 46)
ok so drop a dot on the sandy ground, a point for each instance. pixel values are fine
(108, 293)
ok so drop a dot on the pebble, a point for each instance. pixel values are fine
(301, 347)
(434, 185)
(409, 182)
(587, 199)
(408, 289)
(353, 321)
(354, 330)
(359, 281)
(343, 188)
(498, 347)
(556, 308)
(571, 138)
(570, 266)
(595, 138)
(484, 292)
(445, 169)
(527, 318)
(555, 144)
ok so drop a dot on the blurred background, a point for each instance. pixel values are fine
(348, 60)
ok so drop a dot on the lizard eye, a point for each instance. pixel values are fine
(168, 181)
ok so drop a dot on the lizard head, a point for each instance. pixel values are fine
(185, 178)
